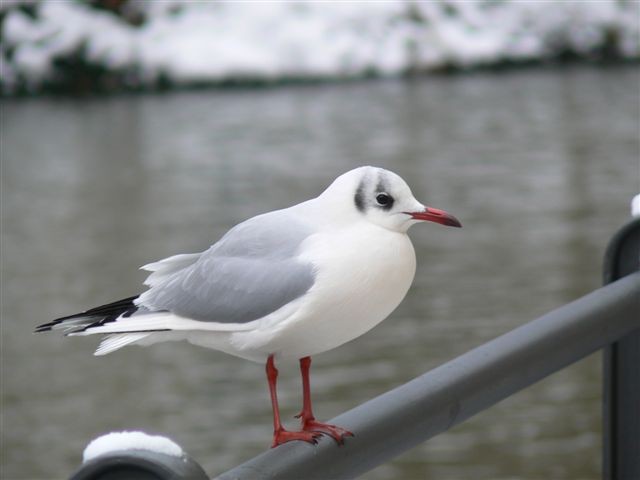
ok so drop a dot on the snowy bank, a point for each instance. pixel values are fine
(138, 44)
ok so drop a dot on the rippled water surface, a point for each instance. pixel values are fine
(539, 166)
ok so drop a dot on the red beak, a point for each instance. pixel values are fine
(434, 215)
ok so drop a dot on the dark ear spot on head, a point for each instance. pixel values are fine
(359, 197)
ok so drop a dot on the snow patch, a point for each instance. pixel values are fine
(185, 42)
(118, 441)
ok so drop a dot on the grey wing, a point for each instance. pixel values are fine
(251, 272)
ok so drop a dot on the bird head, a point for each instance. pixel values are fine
(383, 198)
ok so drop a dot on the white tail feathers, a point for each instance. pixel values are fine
(160, 321)
(135, 323)
(111, 343)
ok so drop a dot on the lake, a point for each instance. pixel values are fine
(538, 164)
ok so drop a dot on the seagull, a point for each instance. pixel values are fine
(284, 285)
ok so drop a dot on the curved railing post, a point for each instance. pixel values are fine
(621, 395)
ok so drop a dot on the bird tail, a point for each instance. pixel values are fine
(125, 321)
(85, 322)
(122, 323)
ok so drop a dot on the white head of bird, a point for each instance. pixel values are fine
(383, 198)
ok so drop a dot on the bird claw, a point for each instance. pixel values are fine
(283, 436)
(333, 431)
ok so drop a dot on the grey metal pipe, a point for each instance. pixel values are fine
(621, 371)
(396, 421)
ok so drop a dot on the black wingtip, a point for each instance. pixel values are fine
(95, 316)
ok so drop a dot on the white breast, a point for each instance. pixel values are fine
(363, 273)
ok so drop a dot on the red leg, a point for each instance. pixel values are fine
(280, 435)
(309, 422)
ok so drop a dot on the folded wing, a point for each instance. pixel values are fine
(251, 272)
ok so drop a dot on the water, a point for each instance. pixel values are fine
(539, 166)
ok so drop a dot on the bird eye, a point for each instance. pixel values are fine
(383, 199)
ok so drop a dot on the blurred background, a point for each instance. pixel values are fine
(135, 130)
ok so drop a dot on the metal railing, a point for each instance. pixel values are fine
(621, 392)
(398, 420)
